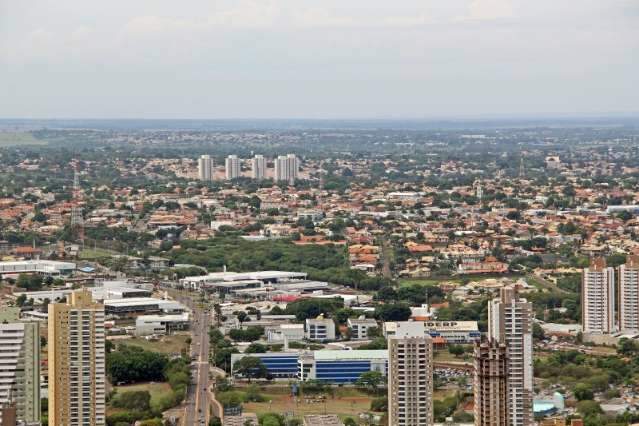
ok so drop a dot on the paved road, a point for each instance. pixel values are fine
(197, 401)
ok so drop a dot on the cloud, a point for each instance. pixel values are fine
(487, 10)
(312, 57)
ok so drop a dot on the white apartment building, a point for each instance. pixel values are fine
(410, 376)
(232, 167)
(20, 369)
(598, 298)
(205, 168)
(629, 295)
(510, 323)
(320, 328)
(286, 168)
(258, 167)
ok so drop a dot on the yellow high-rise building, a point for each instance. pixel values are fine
(76, 362)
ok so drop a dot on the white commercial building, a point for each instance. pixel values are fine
(629, 295)
(286, 333)
(598, 298)
(222, 280)
(258, 167)
(359, 327)
(142, 305)
(320, 328)
(45, 267)
(20, 369)
(446, 332)
(146, 325)
(205, 168)
(232, 167)
(510, 324)
(410, 376)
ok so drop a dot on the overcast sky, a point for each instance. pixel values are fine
(317, 58)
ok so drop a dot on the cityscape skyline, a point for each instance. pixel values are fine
(319, 213)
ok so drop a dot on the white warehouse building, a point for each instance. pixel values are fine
(146, 325)
(45, 267)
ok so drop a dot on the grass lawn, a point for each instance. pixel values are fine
(19, 138)
(443, 355)
(96, 253)
(403, 282)
(157, 391)
(172, 344)
(346, 402)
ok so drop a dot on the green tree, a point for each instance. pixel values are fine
(627, 347)
(21, 300)
(393, 312)
(250, 367)
(256, 348)
(538, 332)
(583, 392)
(589, 408)
(370, 380)
(456, 350)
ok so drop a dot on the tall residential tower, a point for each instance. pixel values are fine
(205, 168)
(258, 167)
(410, 375)
(598, 298)
(286, 168)
(629, 295)
(76, 362)
(20, 369)
(232, 167)
(490, 385)
(510, 324)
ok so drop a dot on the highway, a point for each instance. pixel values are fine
(197, 401)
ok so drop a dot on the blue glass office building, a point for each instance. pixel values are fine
(340, 371)
(278, 364)
(341, 367)
(330, 366)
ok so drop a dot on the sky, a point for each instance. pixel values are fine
(397, 59)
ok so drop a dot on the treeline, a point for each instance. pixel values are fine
(130, 364)
(321, 262)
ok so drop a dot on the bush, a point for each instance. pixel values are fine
(379, 404)
(230, 399)
(249, 334)
(133, 400)
(253, 394)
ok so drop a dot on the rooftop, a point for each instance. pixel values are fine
(350, 355)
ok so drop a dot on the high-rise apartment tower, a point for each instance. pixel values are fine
(510, 324)
(258, 167)
(76, 362)
(410, 375)
(20, 369)
(286, 168)
(490, 385)
(598, 298)
(629, 295)
(205, 168)
(232, 167)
